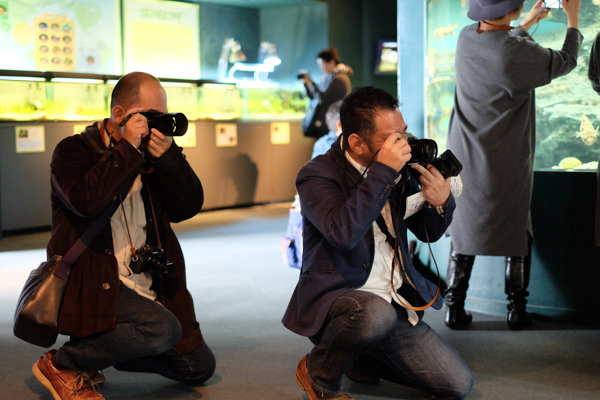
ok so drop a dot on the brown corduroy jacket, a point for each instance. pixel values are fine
(85, 178)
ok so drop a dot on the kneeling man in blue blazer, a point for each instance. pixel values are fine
(359, 298)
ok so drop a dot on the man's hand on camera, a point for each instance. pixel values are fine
(435, 189)
(159, 143)
(395, 151)
(136, 128)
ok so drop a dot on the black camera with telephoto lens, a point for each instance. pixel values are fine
(170, 124)
(151, 258)
(424, 152)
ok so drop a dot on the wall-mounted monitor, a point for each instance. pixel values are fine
(386, 57)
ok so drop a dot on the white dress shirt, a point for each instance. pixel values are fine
(379, 281)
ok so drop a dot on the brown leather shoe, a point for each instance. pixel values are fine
(304, 382)
(64, 384)
(97, 377)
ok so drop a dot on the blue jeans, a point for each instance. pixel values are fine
(142, 341)
(364, 327)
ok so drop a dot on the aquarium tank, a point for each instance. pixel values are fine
(566, 110)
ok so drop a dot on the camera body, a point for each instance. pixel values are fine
(424, 152)
(151, 258)
(553, 4)
(170, 124)
(301, 76)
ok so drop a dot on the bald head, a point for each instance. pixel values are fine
(127, 91)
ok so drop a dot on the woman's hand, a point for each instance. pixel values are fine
(538, 12)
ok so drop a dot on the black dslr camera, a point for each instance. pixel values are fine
(424, 151)
(170, 124)
(151, 259)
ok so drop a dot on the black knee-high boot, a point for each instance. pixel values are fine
(457, 279)
(515, 285)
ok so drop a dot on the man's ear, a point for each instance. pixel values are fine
(118, 114)
(355, 143)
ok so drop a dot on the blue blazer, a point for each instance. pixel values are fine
(338, 237)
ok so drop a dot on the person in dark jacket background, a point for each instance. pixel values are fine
(334, 85)
(119, 313)
(359, 299)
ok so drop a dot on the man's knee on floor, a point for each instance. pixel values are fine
(457, 388)
(201, 365)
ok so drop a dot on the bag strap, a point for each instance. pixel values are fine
(390, 239)
(84, 241)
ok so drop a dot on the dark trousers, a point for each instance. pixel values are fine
(142, 341)
(364, 325)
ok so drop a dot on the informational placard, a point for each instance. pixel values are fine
(30, 139)
(162, 38)
(81, 36)
(280, 133)
(226, 135)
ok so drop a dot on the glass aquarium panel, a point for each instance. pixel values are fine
(22, 100)
(220, 102)
(77, 101)
(274, 103)
(567, 110)
(182, 98)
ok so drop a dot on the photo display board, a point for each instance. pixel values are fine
(162, 38)
(73, 36)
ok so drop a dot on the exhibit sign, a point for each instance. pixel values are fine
(162, 38)
(73, 36)
(30, 139)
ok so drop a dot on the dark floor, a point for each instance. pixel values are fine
(241, 288)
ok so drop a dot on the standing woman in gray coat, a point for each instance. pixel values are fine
(492, 132)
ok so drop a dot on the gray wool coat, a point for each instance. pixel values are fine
(492, 133)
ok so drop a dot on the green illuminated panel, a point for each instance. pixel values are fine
(22, 100)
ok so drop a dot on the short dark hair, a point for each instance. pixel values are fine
(333, 115)
(330, 54)
(127, 91)
(359, 109)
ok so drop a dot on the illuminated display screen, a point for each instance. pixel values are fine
(386, 59)
(162, 38)
(81, 36)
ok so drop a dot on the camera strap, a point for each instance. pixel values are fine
(134, 252)
(394, 244)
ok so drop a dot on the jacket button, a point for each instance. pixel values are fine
(367, 264)
(381, 196)
(106, 286)
(116, 164)
(108, 252)
(387, 186)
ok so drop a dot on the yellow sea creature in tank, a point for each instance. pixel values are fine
(587, 133)
(569, 163)
(596, 2)
(445, 31)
